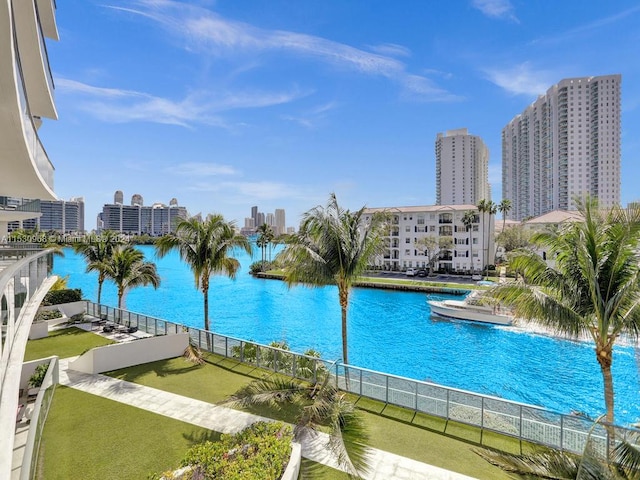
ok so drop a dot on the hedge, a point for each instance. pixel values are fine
(56, 297)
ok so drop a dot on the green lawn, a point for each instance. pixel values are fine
(89, 437)
(67, 342)
(444, 444)
(92, 434)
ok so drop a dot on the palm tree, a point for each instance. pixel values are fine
(127, 269)
(332, 247)
(320, 404)
(265, 237)
(205, 247)
(467, 220)
(97, 255)
(428, 244)
(504, 207)
(593, 287)
(486, 206)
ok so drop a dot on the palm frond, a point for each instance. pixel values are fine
(272, 391)
(550, 464)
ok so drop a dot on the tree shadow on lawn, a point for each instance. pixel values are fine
(161, 368)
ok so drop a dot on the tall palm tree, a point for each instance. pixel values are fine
(332, 247)
(127, 269)
(205, 247)
(265, 237)
(484, 207)
(467, 221)
(97, 254)
(593, 287)
(504, 207)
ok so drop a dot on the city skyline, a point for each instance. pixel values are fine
(230, 106)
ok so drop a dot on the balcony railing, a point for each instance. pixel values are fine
(518, 420)
(22, 287)
(36, 150)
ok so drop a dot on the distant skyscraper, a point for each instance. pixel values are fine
(270, 219)
(280, 221)
(462, 168)
(254, 215)
(56, 216)
(260, 219)
(118, 197)
(564, 145)
(137, 219)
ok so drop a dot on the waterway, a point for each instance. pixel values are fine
(389, 331)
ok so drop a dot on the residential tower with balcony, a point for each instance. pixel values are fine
(563, 147)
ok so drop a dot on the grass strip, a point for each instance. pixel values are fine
(93, 438)
(66, 342)
(397, 430)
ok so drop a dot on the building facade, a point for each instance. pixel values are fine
(462, 168)
(60, 216)
(137, 219)
(435, 236)
(27, 97)
(563, 147)
(26, 175)
(280, 225)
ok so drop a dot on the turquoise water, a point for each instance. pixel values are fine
(389, 331)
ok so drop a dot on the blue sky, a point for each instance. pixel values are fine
(232, 103)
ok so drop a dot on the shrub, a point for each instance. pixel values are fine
(57, 297)
(44, 315)
(246, 353)
(308, 368)
(36, 379)
(259, 452)
(278, 361)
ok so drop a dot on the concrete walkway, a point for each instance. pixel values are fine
(384, 465)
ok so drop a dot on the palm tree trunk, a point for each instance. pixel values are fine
(604, 355)
(605, 359)
(100, 282)
(344, 303)
(471, 248)
(205, 293)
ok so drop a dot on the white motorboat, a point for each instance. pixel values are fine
(471, 309)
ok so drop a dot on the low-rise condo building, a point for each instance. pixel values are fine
(436, 237)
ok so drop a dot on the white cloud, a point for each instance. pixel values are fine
(391, 49)
(200, 107)
(310, 118)
(206, 31)
(502, 9)
(587, 28)
(201, 169)
(522, 79)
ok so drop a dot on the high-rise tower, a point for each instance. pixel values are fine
(462, 168)
(564, 146)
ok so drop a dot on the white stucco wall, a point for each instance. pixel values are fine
(128, 354)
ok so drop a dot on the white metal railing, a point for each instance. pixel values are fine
(38, 419)
(525, 422)
(23, 284)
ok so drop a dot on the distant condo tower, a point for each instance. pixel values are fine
(118, 197)
(462, 168)
(565, 145)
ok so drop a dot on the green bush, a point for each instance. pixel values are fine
(36, 379)
(43, 315)
(56, 297)
(259, 452)
(275, 360)
(247, 353)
